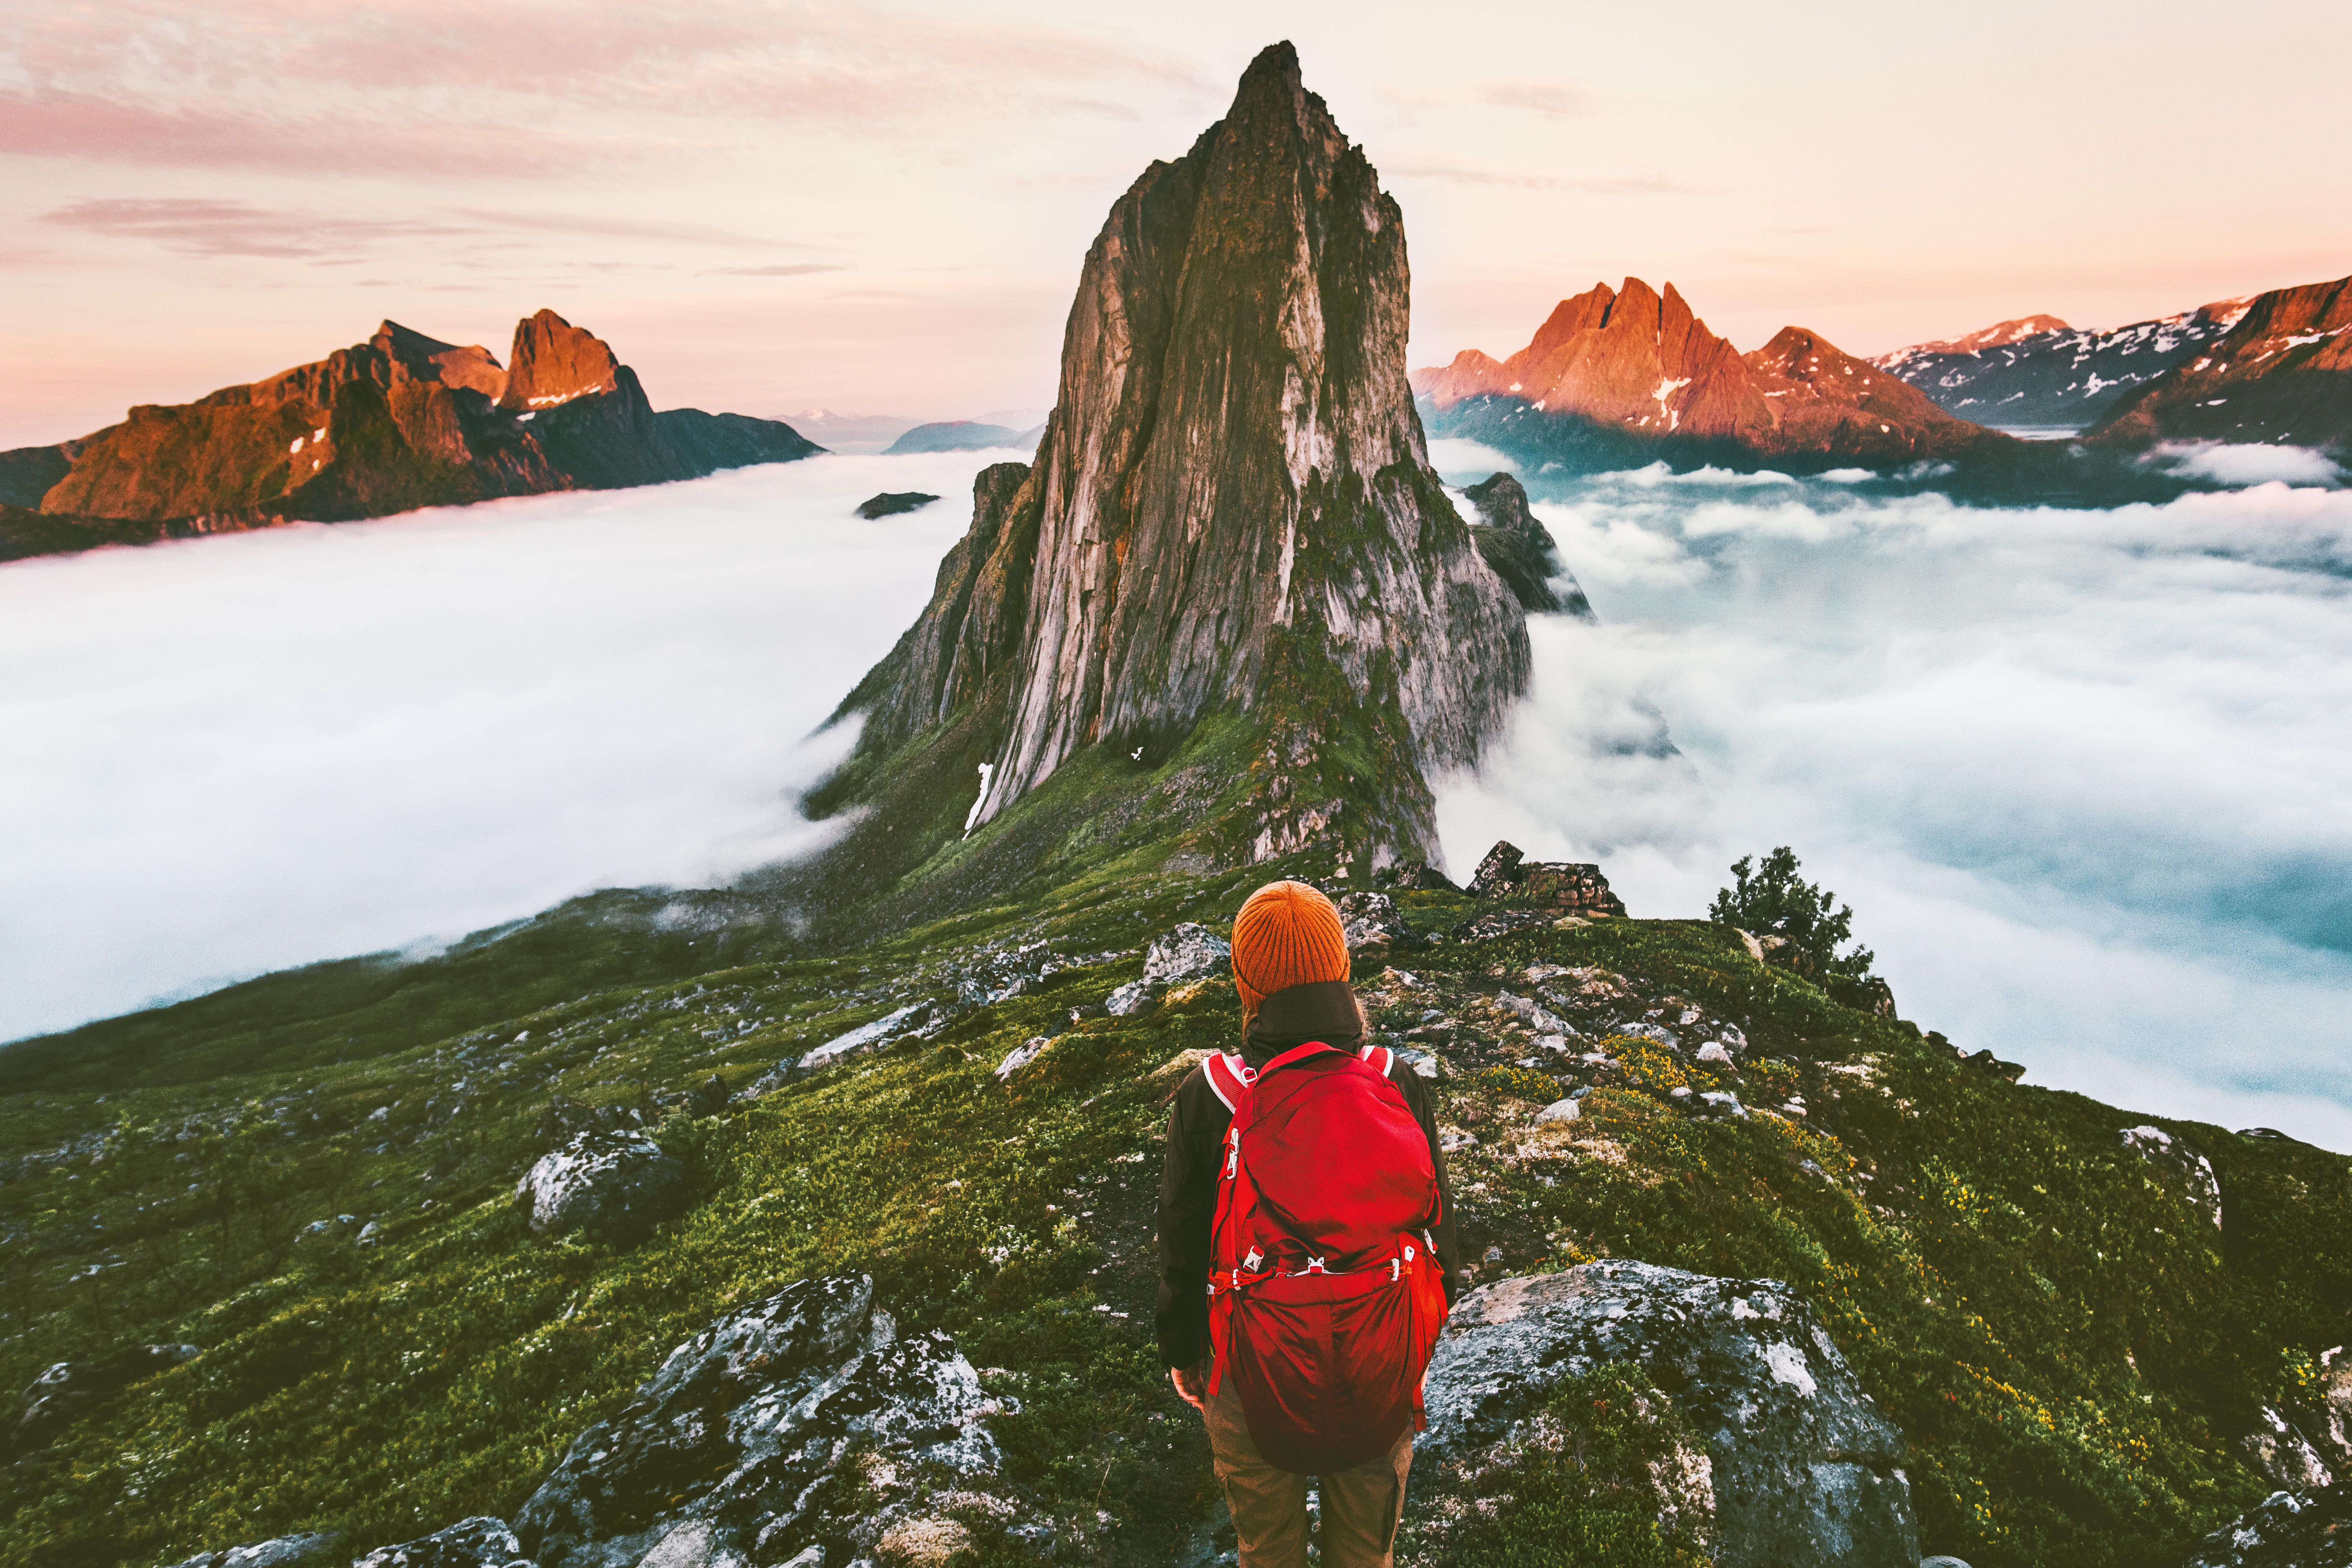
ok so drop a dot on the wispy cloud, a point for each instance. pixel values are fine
(193, 226)
(1558, 100)
(1644, 185)
(525, 89)
(793, 269)
(121, 127)
(604, 226)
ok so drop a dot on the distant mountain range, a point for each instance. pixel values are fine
(1617, 374)
(2281, 374)
(399, 421)
(964, 435)
(2039, 372)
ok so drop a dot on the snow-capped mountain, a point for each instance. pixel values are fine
(2058, 375)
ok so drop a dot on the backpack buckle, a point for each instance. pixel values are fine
(1253, 1259)
(1315, 1266)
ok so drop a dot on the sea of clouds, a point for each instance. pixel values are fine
(2085, 776)
(224, 756)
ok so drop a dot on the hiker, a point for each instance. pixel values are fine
(1303, 1199)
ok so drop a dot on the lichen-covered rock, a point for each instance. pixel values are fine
(2180, 1166)
(1189, 951)
(801, 1425)
(1414, 875)
(1560, 887)
(1128, 1000)
(307, 1550)
(2282, 1454)
(1806, 1472)
(1374, 925)
(1499, 922)
(71, 1390)
(613, 1186)
(2291, 1529)
(477, 1542)
(868, 1037)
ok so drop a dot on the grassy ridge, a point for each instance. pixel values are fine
(2068, 1346)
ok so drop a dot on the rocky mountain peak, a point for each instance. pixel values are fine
(554, 361)
(1232, 508)
(2001, 334)
(430, 359)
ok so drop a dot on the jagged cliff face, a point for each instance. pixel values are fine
(2283, 373)
(399, 421)
(1232, 506)
(1635, 366)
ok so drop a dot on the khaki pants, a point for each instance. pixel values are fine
(1360, 1507)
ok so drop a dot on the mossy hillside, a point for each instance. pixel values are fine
(2067, 1352)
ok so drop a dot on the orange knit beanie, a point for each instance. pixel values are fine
(1287, 934)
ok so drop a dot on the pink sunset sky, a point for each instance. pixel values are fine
(769, 207)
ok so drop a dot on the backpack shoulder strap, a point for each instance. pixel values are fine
(1295, 1053)
(1380, 1059)
(1229, 1077)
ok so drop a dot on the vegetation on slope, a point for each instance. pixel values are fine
(2070, 1347)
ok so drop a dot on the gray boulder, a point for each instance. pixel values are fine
(1190, 951)
(1806, 1472)
(2293, 1528)
(1374, 925)
(71, 1390)
(613, 1186)
(2180, 1167)
(308, 1549)
(802, 1429)
(1128, 1000)
(478, 1543)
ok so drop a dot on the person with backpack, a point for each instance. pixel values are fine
(1307, 1248)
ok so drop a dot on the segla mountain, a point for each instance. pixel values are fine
(1618, 377)
(1231, 549)
(398, 422)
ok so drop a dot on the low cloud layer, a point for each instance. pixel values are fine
(230, 755)
(2086, 777)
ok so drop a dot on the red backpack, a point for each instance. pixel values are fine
(1325, 1294)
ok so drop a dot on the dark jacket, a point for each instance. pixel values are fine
(1196, 1131)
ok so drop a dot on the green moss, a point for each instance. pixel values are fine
(1602, 1477)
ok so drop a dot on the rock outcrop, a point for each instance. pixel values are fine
(1232, 510)
(2297, 1527)
(1554, 887)
(2041, 371)
(890, 504)
(309, 1549)
(802, 1429)
(1522, 551)
(477, 1542)
(401, 421)
(1374, 926)
(1625, 371)
(72, 1390)
(1803, 1470)
(613, 1186)
(2282, 373)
